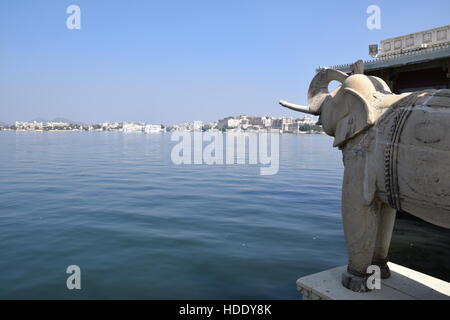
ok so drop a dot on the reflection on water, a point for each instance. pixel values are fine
(421, 246)
(141, 227)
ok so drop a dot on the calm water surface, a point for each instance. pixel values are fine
(142, 227)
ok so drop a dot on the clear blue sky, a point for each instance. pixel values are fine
(176, 61)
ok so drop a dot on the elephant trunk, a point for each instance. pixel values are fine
(318, 90)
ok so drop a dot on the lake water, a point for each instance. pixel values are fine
(141, 227)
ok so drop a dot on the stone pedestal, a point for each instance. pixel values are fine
(404, 284)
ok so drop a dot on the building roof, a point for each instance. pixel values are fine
(401, 59)
(414, 48)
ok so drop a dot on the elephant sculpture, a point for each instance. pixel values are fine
(396, 154)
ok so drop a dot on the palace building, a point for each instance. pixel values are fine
(412, 62)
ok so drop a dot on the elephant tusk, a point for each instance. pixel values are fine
(296, 107)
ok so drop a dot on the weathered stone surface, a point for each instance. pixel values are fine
(404, 284)
(396, 153)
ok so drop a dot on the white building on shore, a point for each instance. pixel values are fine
(133, 127)
(153, 128)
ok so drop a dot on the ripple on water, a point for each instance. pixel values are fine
(142, 227)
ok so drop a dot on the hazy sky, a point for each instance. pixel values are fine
(178, 61)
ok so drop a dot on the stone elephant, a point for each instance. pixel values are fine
(396, 154)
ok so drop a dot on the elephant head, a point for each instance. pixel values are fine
(349, 109)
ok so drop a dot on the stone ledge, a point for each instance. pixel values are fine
(404, 284)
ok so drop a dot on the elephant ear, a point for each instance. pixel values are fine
(359, 117)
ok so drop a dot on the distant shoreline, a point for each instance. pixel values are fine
(243, 123)
(162, 132)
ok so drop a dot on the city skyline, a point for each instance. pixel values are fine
(233, 123)
(72, 121)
